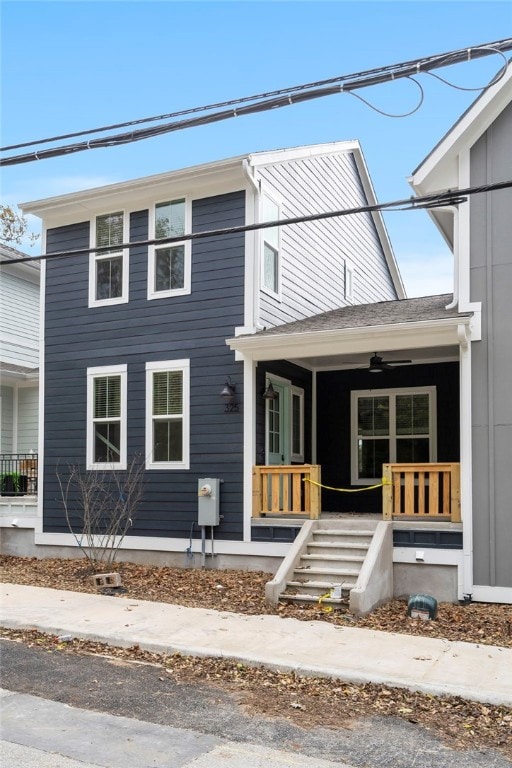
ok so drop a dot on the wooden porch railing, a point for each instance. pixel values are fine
(421, 491)
(282, 490)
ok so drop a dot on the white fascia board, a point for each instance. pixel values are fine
(28, 272)
(397, 336)
(379, 223)
(219, 177)
(157, 544)
(441, 163)
(273, 157)
(431, 556)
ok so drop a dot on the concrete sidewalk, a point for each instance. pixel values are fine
(478, 672)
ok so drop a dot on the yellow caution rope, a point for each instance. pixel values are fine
(348, 490)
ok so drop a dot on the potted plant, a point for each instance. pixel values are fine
(13, 484)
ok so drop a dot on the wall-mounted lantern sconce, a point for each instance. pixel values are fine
(270, 393)
(228, 394)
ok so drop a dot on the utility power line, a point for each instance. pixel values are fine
(447, 198)
(260, 102)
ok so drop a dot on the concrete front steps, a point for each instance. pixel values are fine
(337, 563)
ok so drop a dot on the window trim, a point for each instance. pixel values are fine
(297, 392)
(349, 281)
(95, 257)
(187, 266)
(391, 393)
(162, 366)
(265, 288)
(92, 374)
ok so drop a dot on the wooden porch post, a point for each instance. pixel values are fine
(387, 493)
(256, 491)
(314, 474)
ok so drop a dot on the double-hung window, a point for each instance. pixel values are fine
(108, 268)
(391, 426)
(106, 417)
(167, 414)
(169, 263)
(270, 255)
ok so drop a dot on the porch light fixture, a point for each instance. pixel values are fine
(375, 368)
(228, 394)
(270, 393)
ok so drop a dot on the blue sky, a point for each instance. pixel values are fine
(74, 65)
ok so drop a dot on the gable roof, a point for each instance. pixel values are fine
(439, 170)
(206, 175)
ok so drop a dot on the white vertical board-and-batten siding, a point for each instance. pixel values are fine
(313, 254)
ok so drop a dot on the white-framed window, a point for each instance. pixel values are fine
(270, 246)
(167, 414)
(349, 281)
(106, 417)
(297, 424)
(390, 426)
(169, 264)
(109, 270)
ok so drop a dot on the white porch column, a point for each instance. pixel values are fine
(249, 439)
(466, 476)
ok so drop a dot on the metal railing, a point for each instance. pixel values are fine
(18, 474)
(421, 492)
(286, 490)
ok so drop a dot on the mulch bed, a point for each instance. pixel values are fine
(244, 592)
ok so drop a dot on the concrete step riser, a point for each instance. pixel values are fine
(324, 574)
(353, 538)
(313, 591)
(302, 598)
(336, 564)
(339, 551)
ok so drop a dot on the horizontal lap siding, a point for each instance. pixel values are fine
(192, 327)
(491, 279)
(19, 321)
(313, 254)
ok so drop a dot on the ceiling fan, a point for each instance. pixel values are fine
(378, 364)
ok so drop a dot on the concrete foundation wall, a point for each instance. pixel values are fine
(439, 581)
(20, 543)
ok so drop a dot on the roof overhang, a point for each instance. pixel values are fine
(439, 171)
(333, 345)
(14, 374)
(217, 177)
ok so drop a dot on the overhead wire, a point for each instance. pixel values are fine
(260, 102)
(439, 199)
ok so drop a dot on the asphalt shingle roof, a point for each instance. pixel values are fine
(424, 308)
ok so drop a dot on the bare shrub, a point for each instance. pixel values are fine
(100, 507)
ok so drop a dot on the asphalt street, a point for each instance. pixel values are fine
(65, 710)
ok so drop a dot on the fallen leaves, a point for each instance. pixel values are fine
(310, 701)
(244, 592)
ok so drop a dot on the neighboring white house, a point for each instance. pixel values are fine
(19, 384)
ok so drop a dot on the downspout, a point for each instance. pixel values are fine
(252, 292)
(456, 261)
(466, 489)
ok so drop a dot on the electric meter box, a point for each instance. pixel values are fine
(208, 491)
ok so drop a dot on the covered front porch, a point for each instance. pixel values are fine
(327, 435)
